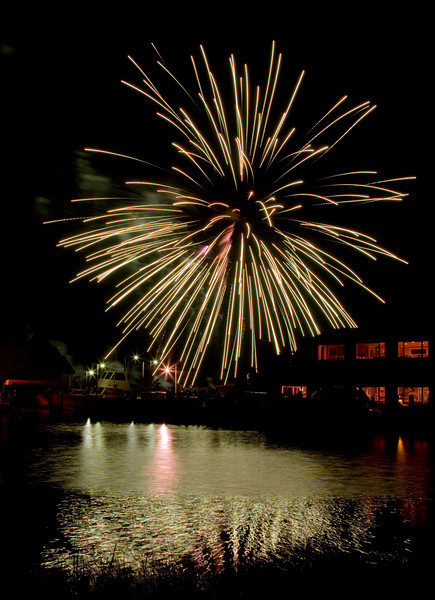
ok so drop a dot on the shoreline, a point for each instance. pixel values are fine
(287, 420)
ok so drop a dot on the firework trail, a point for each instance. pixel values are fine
(229, 250)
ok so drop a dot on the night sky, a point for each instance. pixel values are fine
(62, 92)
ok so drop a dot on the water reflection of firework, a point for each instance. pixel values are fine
(234, 249)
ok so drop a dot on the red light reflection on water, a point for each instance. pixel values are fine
(164, 474)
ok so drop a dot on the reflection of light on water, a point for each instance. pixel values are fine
(400, 450)
(163, 470)
(164, 437)
(132, 435)
(93, 451)
(214, 533)
(93, 435)
(87, 434)
(222, 499)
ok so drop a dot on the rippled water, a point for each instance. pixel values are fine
(221, 499)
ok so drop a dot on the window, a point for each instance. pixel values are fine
(370, 350)
(330, 352)
(416, 395)
(294, 391)
(413, 349)
(375, 394)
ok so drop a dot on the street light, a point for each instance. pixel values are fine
(168, 370)
(152, 367)
(137, 358)
(89, 379)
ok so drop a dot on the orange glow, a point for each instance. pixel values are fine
(330, 352)
(295, 391)
(370, 350)
(413, 395)
(375, 393)
(419, 349)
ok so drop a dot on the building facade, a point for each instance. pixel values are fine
(387, 368)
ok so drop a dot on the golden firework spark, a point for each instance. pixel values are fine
(222, 254)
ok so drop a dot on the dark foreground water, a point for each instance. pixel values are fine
(219, 509)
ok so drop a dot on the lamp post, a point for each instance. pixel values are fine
(94, 374)
(168, 370)
(137, 358)
(89, 377)
(153, 365)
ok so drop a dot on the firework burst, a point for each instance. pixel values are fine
(228, 250)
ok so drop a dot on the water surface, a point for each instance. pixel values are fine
(216, 499)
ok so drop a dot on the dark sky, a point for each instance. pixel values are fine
(62, 92)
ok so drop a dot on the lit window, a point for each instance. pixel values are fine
(370, 350)
(330, 351)
(413, 395)
(413, 349)
(375, 394)
(294, 391)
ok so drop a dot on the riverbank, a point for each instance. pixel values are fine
(306, 574)
(288, 418)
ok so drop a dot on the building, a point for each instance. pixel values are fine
(388, 368)
(34, 359)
